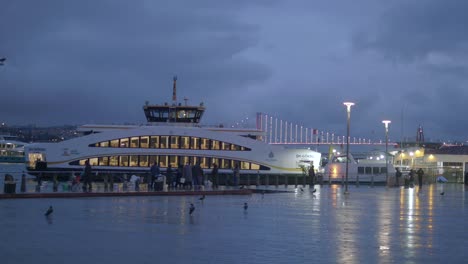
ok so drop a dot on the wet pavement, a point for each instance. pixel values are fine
(369, 225)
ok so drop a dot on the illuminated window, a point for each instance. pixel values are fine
(245, 165)
(153, 159)
(124, 143)
(123, 161)
(133, 161)
(164, 142)
(114, 161)
(104, 144)
(225, 164)
(144, 161)
(205, 162)
(174, 161)
(185, 142)
(254, 166)
(214, 161)
(114, 143)
(103, 161)
(93, 162)
(163, 161)
(144, 142)
(195, 143)
(205, 143)
(154, 142)
(174, 142)
(135, 142)
(225, 146)
(215, 145)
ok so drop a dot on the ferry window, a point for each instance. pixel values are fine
(194, 160)
(135, 142)
(383, 170)
(185, 142)
(144, 142)
(244, 165)
(93, 162)
(195, 143)
(184, 160)
(133, 161)
(173, 160)
(174, 142)
(225, 146)
(368, 170)
(235, 147)
(104, 144)
(205, 143)
(103, 161)
(225, 164)
(123, 161)
(143, 161)
(375, 170)
(254, 166)
(82, 162)
(154, 142)
(164, 141)
(163, 161)
(214, 161)
(124, 142)
(204, 162)
(215, 144)
(153, 159)
(114, 161)
(114, 143)
(360, 170)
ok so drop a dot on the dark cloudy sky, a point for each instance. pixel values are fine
(92, 61)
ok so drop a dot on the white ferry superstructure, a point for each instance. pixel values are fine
(172, 136)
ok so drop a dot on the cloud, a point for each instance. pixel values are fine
(98, 61)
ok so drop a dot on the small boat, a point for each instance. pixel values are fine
(11, 149)
(363, 170)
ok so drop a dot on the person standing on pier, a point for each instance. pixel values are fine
(197, 173)
(312, 176)
(187, 175)
(154, 171)
(214, 176)
(87, 175)
(397, 177)
(420, 174)
(170, 177)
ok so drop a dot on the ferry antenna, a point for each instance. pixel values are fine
(174, 89)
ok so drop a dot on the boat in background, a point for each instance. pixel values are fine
(173, 136)
(11, 149)
(366, 170)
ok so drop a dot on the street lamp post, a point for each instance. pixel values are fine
(386, 122)
(348, 110)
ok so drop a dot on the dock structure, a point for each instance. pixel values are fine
(122, 194)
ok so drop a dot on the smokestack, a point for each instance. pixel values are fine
(174, 90)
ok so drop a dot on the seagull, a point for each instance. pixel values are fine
(442, 193)
(202, 198)
(242, 187)
(192, 208)
(246, 206)
(49, 211)
(301, 189)
(314, 190)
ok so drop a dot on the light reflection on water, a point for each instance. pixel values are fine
(370, 225)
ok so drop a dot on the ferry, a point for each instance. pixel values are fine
(173, 135)
(368, 170)
(11, 149)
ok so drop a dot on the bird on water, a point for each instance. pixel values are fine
(49, 211)
(192, 208)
